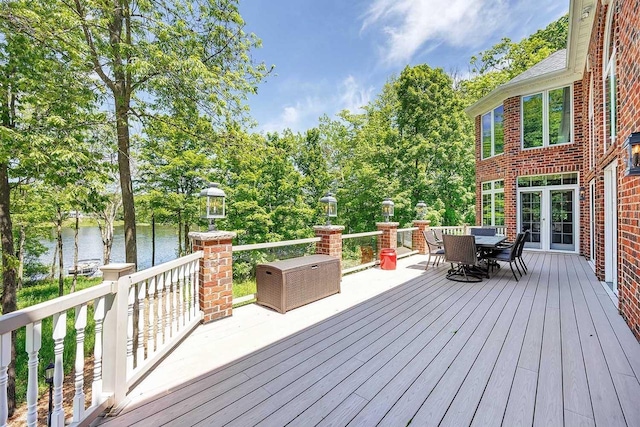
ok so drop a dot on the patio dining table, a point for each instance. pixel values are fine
(489, 242)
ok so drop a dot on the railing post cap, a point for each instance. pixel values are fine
(332, 228)
(387, 224)
(207, 236)
(422, 222)
(117, 269)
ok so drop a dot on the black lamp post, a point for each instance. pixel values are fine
(48, 378)
(387, 209)
(330, 206)
(213, 204)
(421, 209)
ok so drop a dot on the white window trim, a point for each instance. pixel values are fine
(492, 191)
(608, 66)
(545, 118)
(493, 133)
(592, 125)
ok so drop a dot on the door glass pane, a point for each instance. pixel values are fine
(530, 213)
(562, 225)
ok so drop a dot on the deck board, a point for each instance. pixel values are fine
(410, 346)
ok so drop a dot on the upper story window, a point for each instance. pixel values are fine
(609, 81)
(546, 118)
(493, 132)
(493, 202)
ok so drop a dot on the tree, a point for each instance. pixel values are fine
(152, 56)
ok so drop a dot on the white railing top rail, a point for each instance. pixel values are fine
(402, 230)
(255, 246)
(18, 319)
(365, 234)
(161, 268)
(448, 227)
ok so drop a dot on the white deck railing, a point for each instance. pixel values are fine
(137, 319)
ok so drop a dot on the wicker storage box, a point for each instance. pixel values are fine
(285, 285)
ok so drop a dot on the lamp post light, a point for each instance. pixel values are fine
(330, 206)
(421, 209)
(387, 209)
(48, 378)
(212, 204)
(633, 149)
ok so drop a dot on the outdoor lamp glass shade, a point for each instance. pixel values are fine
(633, 148)
(213, 202)
(330, 206)
(48, 373)
(387, 208)
(421, 209)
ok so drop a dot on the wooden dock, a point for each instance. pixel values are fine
(410, 347)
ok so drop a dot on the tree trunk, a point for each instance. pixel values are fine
(124, 167)
(153, 239)
(180, 253)
(60, 257)
(187, 246)
(52, 271)
(74, 282)
(9, 298)
(21, 249)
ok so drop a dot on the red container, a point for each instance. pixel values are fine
(388, 259)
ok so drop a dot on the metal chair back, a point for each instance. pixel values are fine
(483, 231)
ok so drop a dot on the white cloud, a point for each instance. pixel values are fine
(411, 27)
(349, 94)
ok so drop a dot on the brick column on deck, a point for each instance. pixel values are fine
(418, 243)
(215, 291)
(389, 237)
(331, 240)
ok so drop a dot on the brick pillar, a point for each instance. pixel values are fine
(389, 237)
(215, 291)
(331, 240)
(418, 243)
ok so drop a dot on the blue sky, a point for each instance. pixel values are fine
(335, 54)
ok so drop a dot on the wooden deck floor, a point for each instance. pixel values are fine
(548, 350)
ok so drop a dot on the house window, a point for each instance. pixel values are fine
(546, 118)
(493, 133)
(592, 124)
(610, 84)
(493, 203)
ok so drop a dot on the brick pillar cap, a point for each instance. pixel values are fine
(421, 221)
(208, 236)
(387, 224)
(328, 227)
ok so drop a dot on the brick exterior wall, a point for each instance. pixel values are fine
(215, 293)
(515, 162)
(626, 30)
(576, 157)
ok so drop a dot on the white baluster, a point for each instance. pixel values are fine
(96, 387)
(130, 301)
(189, 292)
(151, 336)
(59, 332)
(33, 345)
(142, 293)
(78, 398)
(167, 306)
(5, 359)
(160, 305)
(174, 314)
(181, 307)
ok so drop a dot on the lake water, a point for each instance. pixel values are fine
(90, 245)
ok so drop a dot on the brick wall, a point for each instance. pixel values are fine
(516, 162)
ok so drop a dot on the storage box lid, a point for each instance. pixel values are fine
(292, 263)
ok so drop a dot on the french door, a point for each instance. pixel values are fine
(550, 214)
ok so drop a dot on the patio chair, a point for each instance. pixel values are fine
(483, 231)
(437, 232)
(461, 252)
(527, 233)
(509, 255)
(435, 250)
